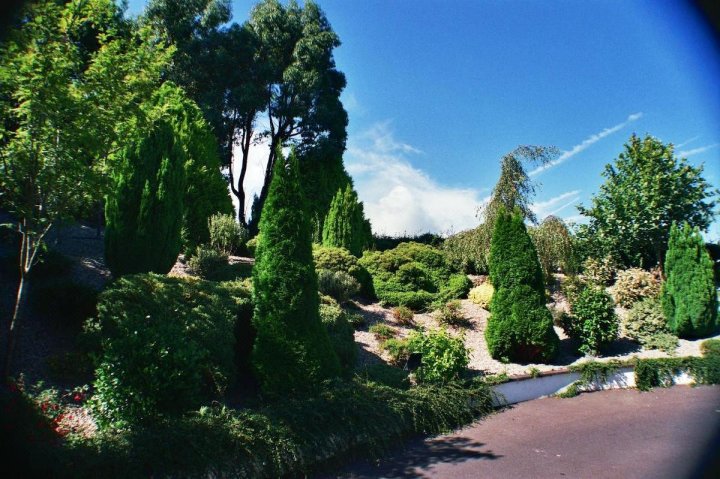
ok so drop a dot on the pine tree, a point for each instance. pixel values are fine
(144, 211)
(292, 351)
(345, 225)
(688, 296)
(520, 327)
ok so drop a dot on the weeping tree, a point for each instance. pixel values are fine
(514, 189)
(292, 351)
(345, 225)
(689, 298)
(520, 327)
(554, 245)
(144, 212)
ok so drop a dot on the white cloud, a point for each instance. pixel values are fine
(696, 151)
(688, 141)
(400, 198)
(586, 143)
(555, 205)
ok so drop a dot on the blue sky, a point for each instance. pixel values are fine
(438, 91)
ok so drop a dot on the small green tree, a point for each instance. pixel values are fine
(688, 295)
(345, 225)
(144, 212)
(520, 327)
(292, 351)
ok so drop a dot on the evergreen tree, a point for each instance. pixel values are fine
(520, 327)
(345, 225)
(207, 192)
(292, 351)
(144, 211)
(688, 296)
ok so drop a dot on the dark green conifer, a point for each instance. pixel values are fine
(292, 351)
(144, 211)
(345, 225)
(688, 295)
(520, 327)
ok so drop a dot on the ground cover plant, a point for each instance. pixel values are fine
(413, 275)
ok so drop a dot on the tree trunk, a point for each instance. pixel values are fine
(14, 323)
(255, 222)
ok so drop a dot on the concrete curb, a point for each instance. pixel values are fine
(527, 388)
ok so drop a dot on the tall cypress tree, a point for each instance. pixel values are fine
(520, 327)
(292, 351)
(688, 296)
(144, 211)
(345, 225)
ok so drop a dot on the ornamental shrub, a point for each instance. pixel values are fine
(382, 331)
(413, 275)
(710, 347)
(292, 351)
(398, 350)
(345, 225)
(688, 296)
(600, 271)
(451, 314)
(337, 284)
(633, 285)
(165, 345)
(593, 320)
(482, 294)
(403, 315)
(226, 234)
(340, 260)
(520, 327)
(646, 324)
(144, 211)
(444, 357)
(207, 263)
(342, 337)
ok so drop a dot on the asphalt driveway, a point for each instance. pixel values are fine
(622, 434)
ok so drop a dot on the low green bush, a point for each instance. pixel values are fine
(165, 345)
(444, 357)
(599, 271)
(356, 320)
(251, 246)
(451, 314)
(403, 315)
(341, 335)
(340, 260)
(226, 234)
(481, 295)
(386, 375)
(207, 262)
(633, 285)
(413, 275)
(337, 284)
(398, 350)
(382, 331)
(593, 320)
(710, 347)
(646, 324)
(650, 373)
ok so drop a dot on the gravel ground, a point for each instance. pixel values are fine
(480, 359)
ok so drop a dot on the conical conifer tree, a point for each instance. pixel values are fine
(144, 212)
(688, 296)
(520, 327)
(345, 225)
(292, 351)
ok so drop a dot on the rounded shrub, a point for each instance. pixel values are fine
(451, 314)
(482, 294)
(403, 315)
(226, 234)
(646, 324)
(207, 263)
(164, 345)
(444, 357)
(599, 271)
(633, 285)
(593, 320)
(398, 350)
(337, 284)
(340, 260)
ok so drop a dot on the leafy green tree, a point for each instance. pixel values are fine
(520, 327)
(688, 295)
(345, 225)
(554, 244)
(144, 213)
(292, 351)
(70, 75)
(645, 191)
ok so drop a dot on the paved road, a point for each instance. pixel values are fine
(666, 433)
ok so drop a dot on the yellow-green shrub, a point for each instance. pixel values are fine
(482, 294)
